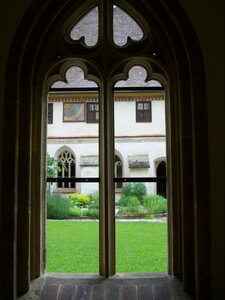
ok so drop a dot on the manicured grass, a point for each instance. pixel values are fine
(72, 247)
(141, 247)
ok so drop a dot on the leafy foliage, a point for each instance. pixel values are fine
(79, 200)
(75, 211)
(94, 200)
(52, 166)
(137, 189)
(92, 212)
(129, 201)
(129, 210)
(155, 204)
(58, 207)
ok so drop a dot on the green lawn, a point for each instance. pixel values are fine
(72, 247)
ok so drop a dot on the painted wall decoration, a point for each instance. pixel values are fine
(73, 112)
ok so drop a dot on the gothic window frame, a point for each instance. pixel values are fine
(115, 68)
(176, 49)
(67, 164)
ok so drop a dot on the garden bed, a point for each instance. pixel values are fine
(137, 216)
(142, 216)
(134, 203)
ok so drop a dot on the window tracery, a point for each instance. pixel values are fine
(107, 61)
(67, 168)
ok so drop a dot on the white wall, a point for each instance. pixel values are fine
(125, 119)
(125, 122)
(63, 129)
(132, 138)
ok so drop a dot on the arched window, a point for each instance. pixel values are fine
(116, 33)
(168, 49)
(161, 172)
(66, 163)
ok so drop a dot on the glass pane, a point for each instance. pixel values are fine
(74, 78)
(140, 147)
(146, 106)
(141, 230)
(137, 78)
(73, 243)
(87, 27)
(73, 207)
(124, 26)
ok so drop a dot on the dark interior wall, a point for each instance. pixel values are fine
(10, 18)
(208, 21)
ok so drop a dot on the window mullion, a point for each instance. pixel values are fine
(107, 215)
(106, 22)
(106, 148)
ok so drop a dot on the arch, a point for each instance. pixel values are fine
(67, 164)
(161, 172)
(119, 155)
(158, 160)
(155, 70)
(118, 170)
(62, 149)
(177, 48)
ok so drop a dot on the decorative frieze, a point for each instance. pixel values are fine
(93, 97)
(89, 160)
(138, 161)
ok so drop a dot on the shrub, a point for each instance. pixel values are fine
(93, 212)
(94, 197)
(149, 217)
(127, 189)
(129, 201)
(137, 189)
(94, 200)
(79, 200)
(75, 211)
(155, 204)
(128, 210)
(58, 207)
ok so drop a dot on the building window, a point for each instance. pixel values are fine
(92, 112)
(67, 169)
(143, 112)
(50, 113)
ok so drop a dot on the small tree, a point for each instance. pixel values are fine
(137, 189)
(52, 169)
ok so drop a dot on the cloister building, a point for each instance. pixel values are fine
(139, 133)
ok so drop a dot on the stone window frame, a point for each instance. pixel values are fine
(188, 187)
